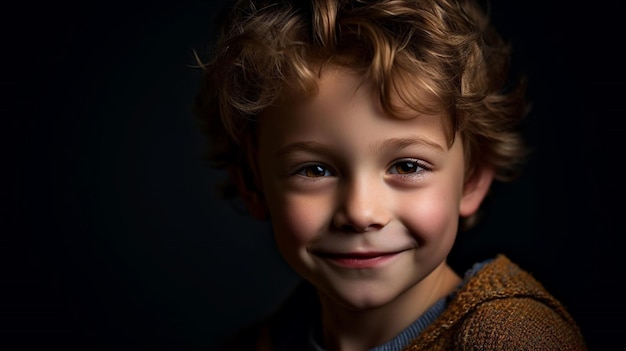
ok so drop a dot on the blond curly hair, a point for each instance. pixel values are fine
(445, 50)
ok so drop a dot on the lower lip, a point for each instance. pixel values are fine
(361, 262)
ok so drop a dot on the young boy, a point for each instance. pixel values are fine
(369, 133)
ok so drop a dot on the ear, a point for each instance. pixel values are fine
(475, 190)
(247, 189)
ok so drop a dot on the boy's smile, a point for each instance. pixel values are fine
(357, 259)
(363, 205)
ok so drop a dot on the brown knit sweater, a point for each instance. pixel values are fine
(501, 307)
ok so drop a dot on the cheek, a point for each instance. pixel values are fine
(298, 219)
(433, 216)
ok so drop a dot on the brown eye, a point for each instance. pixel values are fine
(406, 167)
(314, 171)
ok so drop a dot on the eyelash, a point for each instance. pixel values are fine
(418, 167)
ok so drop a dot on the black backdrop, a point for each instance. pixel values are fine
(114, 238)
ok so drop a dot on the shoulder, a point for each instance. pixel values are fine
(503, 307)
(245, 338)
(517, 323)
(286, 328)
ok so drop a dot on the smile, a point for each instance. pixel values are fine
(358, 260)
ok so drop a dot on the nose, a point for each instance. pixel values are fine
(362, 205)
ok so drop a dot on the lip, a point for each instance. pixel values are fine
(358, 259)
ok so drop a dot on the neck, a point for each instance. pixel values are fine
(346, 329)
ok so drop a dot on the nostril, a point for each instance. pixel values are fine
(358, 210)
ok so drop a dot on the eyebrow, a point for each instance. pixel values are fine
(402, 143)
(394, 143)
(303, 146)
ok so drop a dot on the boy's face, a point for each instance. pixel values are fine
(363, 205)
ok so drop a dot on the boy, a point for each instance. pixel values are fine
(368, 132)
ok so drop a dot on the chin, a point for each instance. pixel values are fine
(358, 298)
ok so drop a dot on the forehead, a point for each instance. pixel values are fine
(346, 108)
(341, 91)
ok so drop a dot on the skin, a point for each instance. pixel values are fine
(364, 206)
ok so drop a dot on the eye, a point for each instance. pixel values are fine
(407, 167)
(314, 171)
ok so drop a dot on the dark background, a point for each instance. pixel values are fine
(113, 237)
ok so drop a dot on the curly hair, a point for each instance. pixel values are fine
(445, 50)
